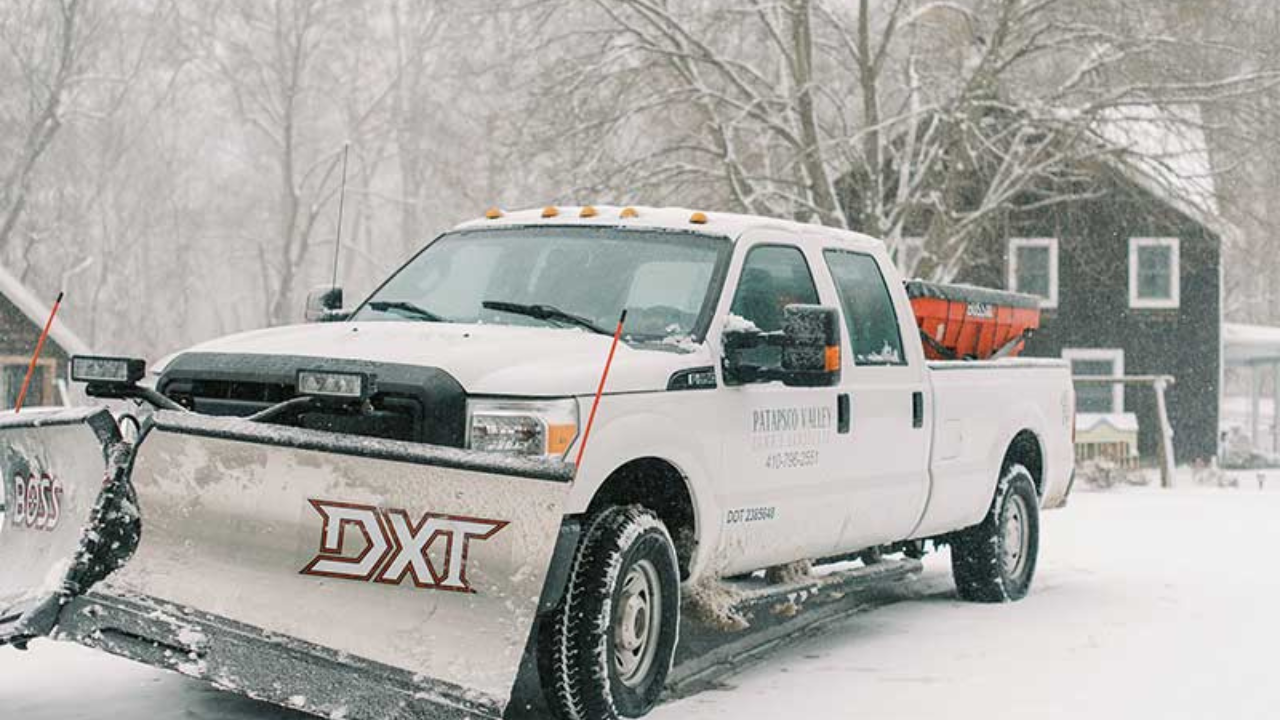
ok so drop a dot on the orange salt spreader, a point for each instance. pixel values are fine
(966, 322)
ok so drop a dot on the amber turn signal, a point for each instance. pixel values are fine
(832, 358)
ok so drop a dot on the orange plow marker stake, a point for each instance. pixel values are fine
(586, 433)
(35, 357)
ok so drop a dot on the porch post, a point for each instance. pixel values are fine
(1166, 434)
(1275, 407)
(1255, 393)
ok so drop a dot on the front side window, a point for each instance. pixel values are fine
(1093, 397)
(663, 279)
(773, 277)
(1033, 268)
(1153, 273)
(868, 308)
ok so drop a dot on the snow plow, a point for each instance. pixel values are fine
(347, 577)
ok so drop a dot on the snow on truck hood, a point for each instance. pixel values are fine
(485, 359)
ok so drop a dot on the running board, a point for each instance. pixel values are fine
(777, 614)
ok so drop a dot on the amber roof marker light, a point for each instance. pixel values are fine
(550, 211)
(588, 212)
(492, 213)
(698, 218)
(628, 212)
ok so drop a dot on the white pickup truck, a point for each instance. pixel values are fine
(769, 402)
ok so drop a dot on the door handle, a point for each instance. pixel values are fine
(917, 409)
(843, 413)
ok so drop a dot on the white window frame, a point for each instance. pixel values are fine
(1175, 269)
(1116, 356)
(1011, 281)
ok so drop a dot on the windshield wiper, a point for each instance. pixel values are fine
(415, 311)
(544, 312)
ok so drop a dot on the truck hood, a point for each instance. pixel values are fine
(485, 359)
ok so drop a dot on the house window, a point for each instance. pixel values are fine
(1100, 362)
(12, 372)
(1153, 273)
(1033, 268)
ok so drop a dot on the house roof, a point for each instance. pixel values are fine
(1165, 151)
(37, 311)
(1246, 344)
(1123, 422)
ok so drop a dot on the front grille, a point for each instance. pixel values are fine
(387, 415)
(413, 403)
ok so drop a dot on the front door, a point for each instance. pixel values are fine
(781, 499)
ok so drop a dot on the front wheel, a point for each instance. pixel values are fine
(995, 560)
(605, 651)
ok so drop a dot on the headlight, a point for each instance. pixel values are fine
(522, 427)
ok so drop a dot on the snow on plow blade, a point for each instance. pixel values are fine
(68, 519)
(348, 577)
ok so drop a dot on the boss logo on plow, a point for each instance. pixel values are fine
(37, 502)
(432, 552)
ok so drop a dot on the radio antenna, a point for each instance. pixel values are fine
(342, 200)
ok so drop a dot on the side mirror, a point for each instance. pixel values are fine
(811, 346)
(805, 353)
(324, 304)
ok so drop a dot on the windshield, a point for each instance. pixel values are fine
(559, 277)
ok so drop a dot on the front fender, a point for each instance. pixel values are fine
(621, 435)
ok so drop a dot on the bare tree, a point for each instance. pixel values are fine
(894, 118)
(45, 47)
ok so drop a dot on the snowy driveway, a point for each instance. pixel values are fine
(1147, 604)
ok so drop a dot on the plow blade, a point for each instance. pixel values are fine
(63, 474)
(347, 577)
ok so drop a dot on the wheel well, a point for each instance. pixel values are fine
(657, 485)
(1025, 451)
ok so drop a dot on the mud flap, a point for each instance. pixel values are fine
(348, 577)
(68, 519)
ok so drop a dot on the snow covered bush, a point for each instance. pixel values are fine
(1104, 474)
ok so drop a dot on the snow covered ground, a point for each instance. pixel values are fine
(1148, 603)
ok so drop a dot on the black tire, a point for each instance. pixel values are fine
(587, 670)
(991, 562)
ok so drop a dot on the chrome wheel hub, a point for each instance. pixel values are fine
(637, 619)
(1016, 536)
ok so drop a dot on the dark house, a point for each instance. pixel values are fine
(1131, 279)
(22, 316)
(1132, 286)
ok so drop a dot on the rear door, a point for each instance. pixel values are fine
(882, 457)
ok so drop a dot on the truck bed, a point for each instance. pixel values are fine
(980, 406)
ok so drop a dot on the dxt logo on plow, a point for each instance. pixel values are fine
(394, 546)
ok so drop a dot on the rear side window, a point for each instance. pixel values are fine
(868, 308)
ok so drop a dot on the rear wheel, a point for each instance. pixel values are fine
(995, 560)
(605, 651)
